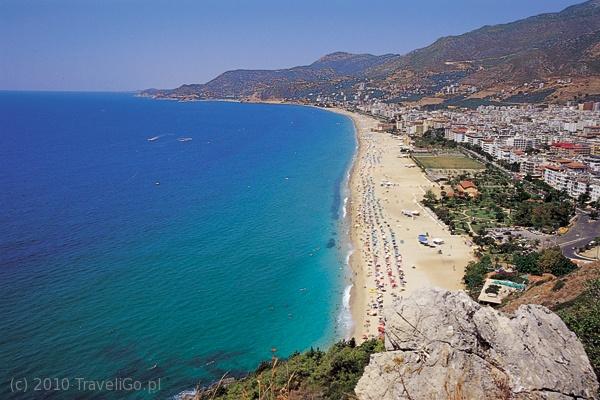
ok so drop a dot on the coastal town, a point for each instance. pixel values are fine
(462, 185)
(557, 144)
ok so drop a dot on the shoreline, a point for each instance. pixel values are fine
(346, 318)
(377, 229)
(376, 158)
(386, 260)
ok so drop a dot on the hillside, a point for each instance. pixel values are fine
(536, 50)
(297, 82)
(499, 44)
(548, 293)
(552, 57)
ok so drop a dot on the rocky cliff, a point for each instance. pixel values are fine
(443, 345)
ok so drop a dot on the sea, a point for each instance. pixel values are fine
(149, 246)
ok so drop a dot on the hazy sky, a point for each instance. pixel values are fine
(136, 44)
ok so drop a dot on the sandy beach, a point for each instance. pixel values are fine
(388, 261)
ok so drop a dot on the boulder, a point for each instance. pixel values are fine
(444, 345)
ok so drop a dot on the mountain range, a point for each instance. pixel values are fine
(553, 57)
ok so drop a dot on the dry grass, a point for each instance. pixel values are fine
(575, 284)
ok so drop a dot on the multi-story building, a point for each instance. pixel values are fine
(487, 145)
(572, 149)
(555, 177)
(532, 166)
(595, 189)
(593, 162)
(559, 144)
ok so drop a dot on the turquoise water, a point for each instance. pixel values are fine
(122, 257)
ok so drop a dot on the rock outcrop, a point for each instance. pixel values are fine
(443, 345)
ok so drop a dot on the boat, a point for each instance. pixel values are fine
(152, 139)
(184, 139)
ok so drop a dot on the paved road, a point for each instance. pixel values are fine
(580, 234)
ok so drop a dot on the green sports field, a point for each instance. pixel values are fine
(448, 162)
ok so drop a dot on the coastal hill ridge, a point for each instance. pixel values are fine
(552, 57)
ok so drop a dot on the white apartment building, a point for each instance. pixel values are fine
(555, 177)
(595, 190)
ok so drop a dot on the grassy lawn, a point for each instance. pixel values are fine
(480, 214)
(449, 162)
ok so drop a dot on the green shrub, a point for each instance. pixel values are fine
(549, 260)
(559, 284)
(493, 289)
(527, 263)
(316, 374)
(582, 316)
(547, 216)
(475, 273)
(552, 260)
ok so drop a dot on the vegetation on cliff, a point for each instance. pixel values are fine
(314, 374)
(547, 261)
(582, 316)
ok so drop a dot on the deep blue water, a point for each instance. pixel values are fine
(123, 257)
